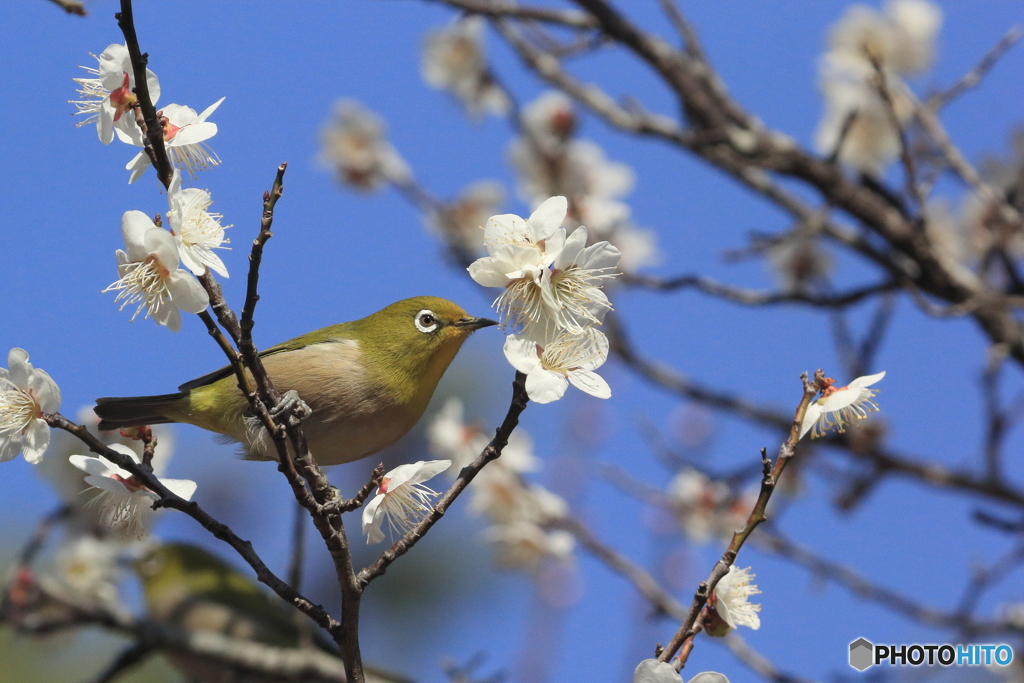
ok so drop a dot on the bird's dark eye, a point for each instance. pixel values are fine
(426, 321)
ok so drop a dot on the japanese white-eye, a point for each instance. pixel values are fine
(367, 382)
(192, 589)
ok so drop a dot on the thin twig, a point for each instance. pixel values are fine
(773, 541)
(751, 297)
(508, 8)
(154, 131)
(909, 168)
(468, 473)
(691, 43)
(973, 77)
(693, 622)
(298, 547)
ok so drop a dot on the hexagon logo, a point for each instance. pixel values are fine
(862, 654)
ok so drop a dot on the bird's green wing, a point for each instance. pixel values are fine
(324, 335)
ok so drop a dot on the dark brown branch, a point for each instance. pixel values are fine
(748, 152)
(751, 297)
(773, 541)
(286, 431)
(468, 473)
(508, 8)
(238, 656)
(646, 585)
(170, 500)
(298, 547)
(154, 132)
(986, 577)
(357, 500)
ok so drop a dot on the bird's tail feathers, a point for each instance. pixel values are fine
(134, 411)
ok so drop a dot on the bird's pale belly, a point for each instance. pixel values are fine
(348, 438)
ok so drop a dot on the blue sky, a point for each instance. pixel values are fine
(337, 255)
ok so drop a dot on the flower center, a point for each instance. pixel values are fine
(170, 130)
(143, 283)
(122, 98)
(131, 483)
(17, 410)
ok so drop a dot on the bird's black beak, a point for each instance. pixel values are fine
(474, 323)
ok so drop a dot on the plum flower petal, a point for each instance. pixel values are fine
(401, 498)
(27, 394)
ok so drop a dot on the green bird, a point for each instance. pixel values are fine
(367, 383)
(189, 588)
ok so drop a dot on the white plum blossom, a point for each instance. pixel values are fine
(524, 544)
(107, 98)
(728, 606)
(520, 252)
(401, 498)
(453, 60)
(461, 222)
(638, 246)
(551, 282)
(354, 142)
(569, 358)
(150, 276)
(902, 41)
(196, 232)
(26, 394)
(125, 503)
(840, 406)
(185, 133)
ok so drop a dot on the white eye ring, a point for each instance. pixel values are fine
(426, 321)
